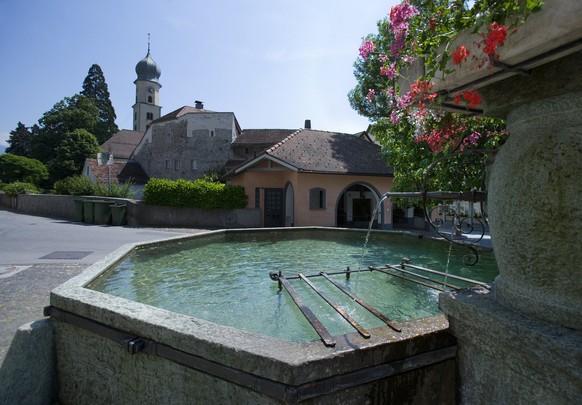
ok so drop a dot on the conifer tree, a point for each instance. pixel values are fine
(20, 141)
(95, 88)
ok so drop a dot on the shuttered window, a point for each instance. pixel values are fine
(317, 199)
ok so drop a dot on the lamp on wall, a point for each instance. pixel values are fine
(109, 164)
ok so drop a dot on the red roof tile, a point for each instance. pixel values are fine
(120, 171)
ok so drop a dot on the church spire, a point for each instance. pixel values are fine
(147, 86)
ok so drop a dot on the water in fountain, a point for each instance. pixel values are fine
(365, 247)
(448, 261)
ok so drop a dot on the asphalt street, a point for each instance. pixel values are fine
(37, 254)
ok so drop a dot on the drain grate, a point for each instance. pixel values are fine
(66, 255)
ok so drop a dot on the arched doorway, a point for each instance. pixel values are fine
(289, 205)
(356, 206)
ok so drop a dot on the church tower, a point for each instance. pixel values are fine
(147, 93)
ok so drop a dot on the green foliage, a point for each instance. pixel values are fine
(70, 154)
(81, 185)
(198, 194)
(116, 190)
(214, 175)
(74, 185)
(19, 168)
(20, 141)
(95, 88)
(68, 115)
(411, 158)
(18, 187)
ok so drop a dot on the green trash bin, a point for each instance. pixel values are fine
(88, 211)
(118, 214)
(78, 210)
(102, 212)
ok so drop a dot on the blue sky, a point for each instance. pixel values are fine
(274, 63)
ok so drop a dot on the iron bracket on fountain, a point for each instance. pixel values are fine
(461, 226)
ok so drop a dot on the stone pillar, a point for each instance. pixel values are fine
(522, 342)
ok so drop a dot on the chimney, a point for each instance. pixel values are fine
(199, 105)
(307, 124)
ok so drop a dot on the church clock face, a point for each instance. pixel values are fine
(150, 90)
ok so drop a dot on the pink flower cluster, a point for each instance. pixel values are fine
(438, 138)
(420, 93)
(471, 140)
(390, 71)
(400, 14)
(367, 48)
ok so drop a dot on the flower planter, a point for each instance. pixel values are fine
(549, 34)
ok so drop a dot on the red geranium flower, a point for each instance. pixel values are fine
(460, 54)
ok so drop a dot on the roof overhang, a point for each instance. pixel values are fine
(249, 164)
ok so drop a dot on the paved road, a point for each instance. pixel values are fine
(37, 254)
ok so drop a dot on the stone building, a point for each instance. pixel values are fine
(187, 143)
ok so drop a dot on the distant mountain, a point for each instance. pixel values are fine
(2, 149)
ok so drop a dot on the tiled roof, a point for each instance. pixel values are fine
(121, 171)
(123, 143)
(328, 152)
(262, 136)
(181, 112)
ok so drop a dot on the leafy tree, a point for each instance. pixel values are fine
(70, 154)
(412, 136)
(20, 141)
(68, 115)
(15, 168)
(95, 88)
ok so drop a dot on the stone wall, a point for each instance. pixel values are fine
(138, 214)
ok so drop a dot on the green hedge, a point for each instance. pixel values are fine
(19, 187)
(197, 194)
(82, 185)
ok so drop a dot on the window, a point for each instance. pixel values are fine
(168, 164)
(150, 99)
(193, 165)
(247, 151)
(317, 199)
(150, 116)
(211, 134)
(257, 197)
(176, 165)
